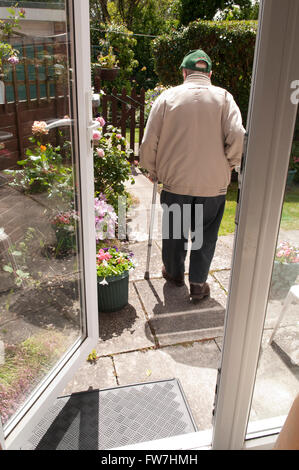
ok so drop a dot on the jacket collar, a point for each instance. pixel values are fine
(198, 78)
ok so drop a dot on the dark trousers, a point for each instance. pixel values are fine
(196, 215)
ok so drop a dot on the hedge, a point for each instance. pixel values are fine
(230, 44)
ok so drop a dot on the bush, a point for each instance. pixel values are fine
(111, 166)
(230, 44)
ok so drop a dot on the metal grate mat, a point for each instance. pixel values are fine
(114, 417)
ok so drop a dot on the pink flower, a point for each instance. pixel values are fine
(13, 60)
(118, 136)
(100, 152)
(40, 127)
(97, 135)
(103, 256)
(101, 120)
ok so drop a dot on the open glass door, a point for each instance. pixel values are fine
(48, 297)
(243, 392)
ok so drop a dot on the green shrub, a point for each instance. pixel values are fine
(230, 44)
(111, 166)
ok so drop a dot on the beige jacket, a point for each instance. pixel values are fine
(193, 138)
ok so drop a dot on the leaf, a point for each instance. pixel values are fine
(148, 372)
(8, 269)
(16, 253)
(34, 158)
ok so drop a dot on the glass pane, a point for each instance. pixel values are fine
(41, 299)
(278, 372)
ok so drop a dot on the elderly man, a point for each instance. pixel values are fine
(193, 140)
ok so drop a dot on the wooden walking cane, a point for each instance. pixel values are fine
(151, 230)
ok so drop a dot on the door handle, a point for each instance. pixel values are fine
(93, 125)
(59, 123)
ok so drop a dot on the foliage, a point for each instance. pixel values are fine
(287, 253)
(294, 160)
(230, 44)
(217, 9)
(150, 97)
(112, 262)
(147, 18)
(108, 61)
(65, 224)
(19, 253)
(205, 10)
(153, 18)
(117, 40)
(92, 357)
(7, 53)
(43, 169)
(111, 166)
(241, 11)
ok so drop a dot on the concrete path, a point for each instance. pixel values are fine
(162, 335)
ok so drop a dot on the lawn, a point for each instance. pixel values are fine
(290, 213)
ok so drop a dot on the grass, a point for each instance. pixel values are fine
(290, 212)
(136, 135)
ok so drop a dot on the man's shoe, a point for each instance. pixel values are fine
(179, 282)
(199, 292)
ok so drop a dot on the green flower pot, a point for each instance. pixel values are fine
(115, 295)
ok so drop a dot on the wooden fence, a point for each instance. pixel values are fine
(126, 112)
(35, 90)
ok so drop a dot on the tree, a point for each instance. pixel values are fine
(207, 9)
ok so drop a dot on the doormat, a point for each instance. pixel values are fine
(114, 417)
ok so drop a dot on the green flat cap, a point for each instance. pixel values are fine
(193, 57)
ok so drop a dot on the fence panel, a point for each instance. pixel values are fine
(126, 112)
(35, 90)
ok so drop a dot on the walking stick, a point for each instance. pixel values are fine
(151, 229)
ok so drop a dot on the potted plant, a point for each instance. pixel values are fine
(64, 224)
(107, 66)
(113, 268)
(286, 267)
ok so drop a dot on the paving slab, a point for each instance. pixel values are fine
(139, 213)
(222, 258)
(125, 330)
(223, 277)
(174, 318)
(140, 255)
(97, 375)
(194, 366)
(277, 378)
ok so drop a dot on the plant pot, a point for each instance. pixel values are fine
(283, 278)
(115, 295)
(107, 74)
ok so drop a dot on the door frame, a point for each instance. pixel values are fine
(270, 130)
(63, 372)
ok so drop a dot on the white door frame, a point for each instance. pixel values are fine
(55, 382)
(270, 134)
